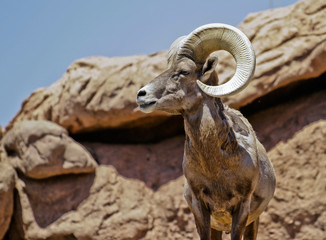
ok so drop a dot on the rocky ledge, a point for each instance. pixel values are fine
(80, 161)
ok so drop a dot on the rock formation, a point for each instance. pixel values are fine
(97, 93)
(42, 149)
(7, 183)
(298, 210)
(79, 161)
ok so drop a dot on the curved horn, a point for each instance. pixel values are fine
(173, 51)
(212, 37)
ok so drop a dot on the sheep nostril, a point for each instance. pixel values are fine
(141, 93)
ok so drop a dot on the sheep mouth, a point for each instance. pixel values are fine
(146, 107)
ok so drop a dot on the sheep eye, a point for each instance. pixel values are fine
(184, 73)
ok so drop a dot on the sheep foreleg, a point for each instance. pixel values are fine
(239, 220)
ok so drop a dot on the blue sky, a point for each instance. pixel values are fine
(39, 39)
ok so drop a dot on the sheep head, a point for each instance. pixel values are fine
(191, 69)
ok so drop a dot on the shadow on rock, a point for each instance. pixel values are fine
(154, 164)
(53, 197)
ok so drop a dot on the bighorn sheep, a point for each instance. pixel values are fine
(229, 178)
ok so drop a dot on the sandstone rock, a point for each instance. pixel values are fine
(42, 149)
(290, 44)
(281, 122)
(154, 164)
(105, 205)
(98, 92)
(143, 197)
(173, 219)
(85, 206)
(7, 182)
(299, 205)
(95, 92)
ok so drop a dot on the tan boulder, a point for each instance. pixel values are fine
(99, 92)
(299, 205)
(95, 92)
(100, 205)
(7, 183)
(290, 45)
(42, 149)
(173, 219)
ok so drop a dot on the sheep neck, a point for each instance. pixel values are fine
(209, 138)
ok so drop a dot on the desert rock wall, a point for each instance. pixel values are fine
(80, 161)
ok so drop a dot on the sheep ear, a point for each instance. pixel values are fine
(208, 68)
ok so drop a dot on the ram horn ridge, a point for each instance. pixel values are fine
(213, 37)
(173, 51)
